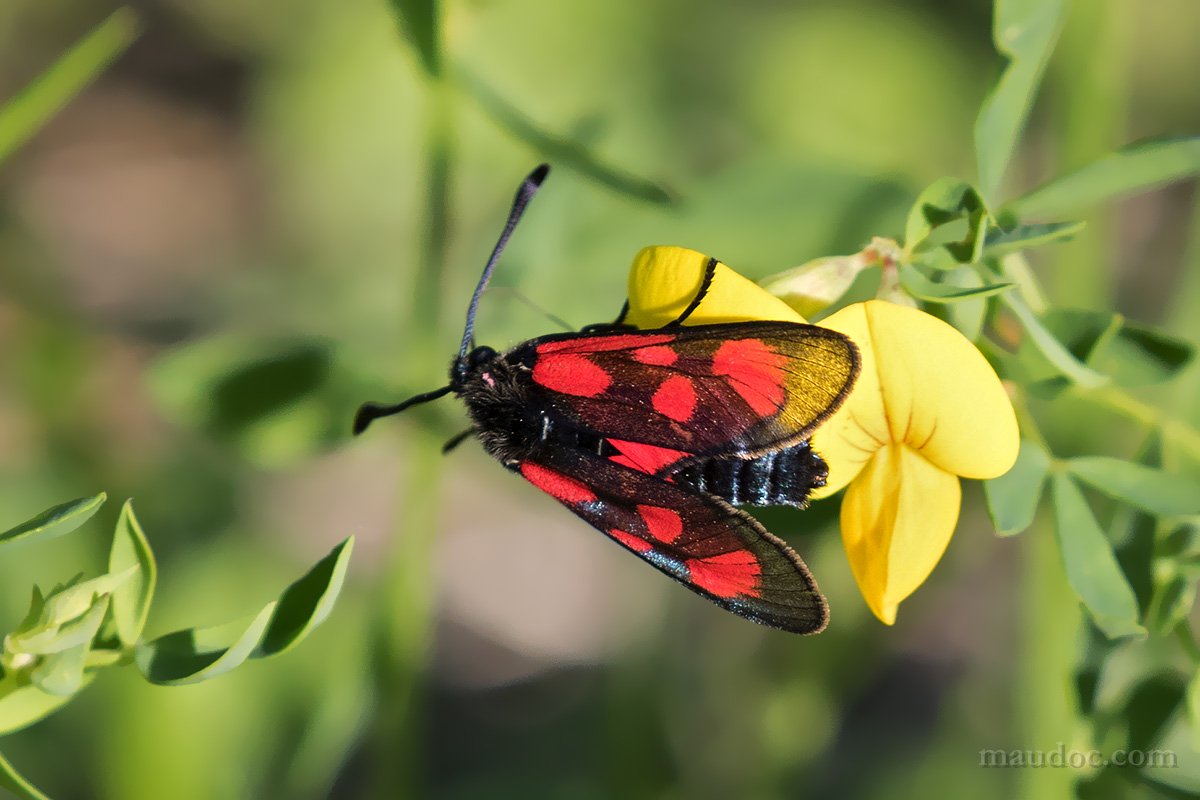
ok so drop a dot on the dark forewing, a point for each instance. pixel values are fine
(729, 389)
(700, 541)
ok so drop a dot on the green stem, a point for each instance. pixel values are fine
(1117, 399)
(406, 616)
(1044, 703)
(1184, 634)
(98, 658)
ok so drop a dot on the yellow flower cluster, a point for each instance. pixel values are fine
(927, 409)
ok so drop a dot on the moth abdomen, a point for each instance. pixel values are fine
(779, 477)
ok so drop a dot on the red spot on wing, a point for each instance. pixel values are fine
(557, 485)
(658, 355)
(664, 524)
(571, 374)
(596, 344)
(728, 574)
(646, 458)
(755, 372)
(635, 543)
(675, 398)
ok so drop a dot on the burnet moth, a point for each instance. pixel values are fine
(653, 436)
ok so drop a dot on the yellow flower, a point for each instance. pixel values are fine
(927, 408)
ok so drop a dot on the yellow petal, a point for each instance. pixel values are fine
(851, 436)
(663, 281)
(897, 518)
(932, 390)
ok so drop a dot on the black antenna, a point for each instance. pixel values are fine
(525, 193)
(369, 412)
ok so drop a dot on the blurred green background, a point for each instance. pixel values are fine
(211, 256)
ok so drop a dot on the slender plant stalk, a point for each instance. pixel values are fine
(1045, 703)
(407, 594)
(1089, 73)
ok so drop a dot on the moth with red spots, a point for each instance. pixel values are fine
(653, 436)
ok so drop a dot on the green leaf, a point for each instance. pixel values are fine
(943, 202)
(559, 149)
(194, 655)
(16, 783)
(1001, 242)
(1171, 603)
(131, 600)
(1154, 490)
(55, 521)
(76, 599)
(61, 673)
(969, 314)
(1193, 708)
(1012, 499)
(275, 401)
(1129, 353)
(57, 638)
(197, 654)
(1133, 168)
(1151, 710)
(23, 704)
(306, 603)
(922, 288)
(1025, 32)
(1140, 355)
(69, 616)
(1054, 351)
(420, 22)
(1091, 566)
(22, 116)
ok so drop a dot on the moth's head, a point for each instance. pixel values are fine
(467, 366)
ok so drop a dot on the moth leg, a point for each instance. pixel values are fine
(617, 324)
(710, 269)
(620, 320)
(457, 440)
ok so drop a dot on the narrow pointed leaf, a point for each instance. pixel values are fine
(306, 603)
(1171, 603)
(1140, 355)
(21, 705)
(57, 638)
(56, 521)
(922, 288)
(559, 149)
(969, 314)
(61, 673)
(1134, 168)
(16, 783)
(420, 22)
(1012, 499)
(1091, 566)
(22, 116)
(1050, 347)
(131, 601)
(1024, 31)
(195, 655)
(75, 600)
(1155, 490)
(1000, 243)
(1193, 708)
(943, 202)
